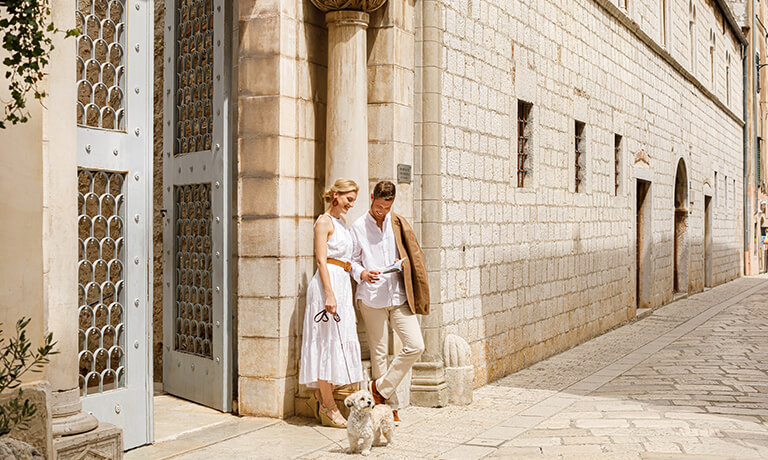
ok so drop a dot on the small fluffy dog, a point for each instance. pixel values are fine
(368, 422)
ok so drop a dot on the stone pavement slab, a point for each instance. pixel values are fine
(688, 381)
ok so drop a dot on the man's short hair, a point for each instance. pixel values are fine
(384, 190)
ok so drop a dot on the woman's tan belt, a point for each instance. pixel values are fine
(345, 265)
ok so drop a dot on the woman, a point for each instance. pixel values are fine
(330, 352)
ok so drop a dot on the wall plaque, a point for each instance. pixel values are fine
(403, 174)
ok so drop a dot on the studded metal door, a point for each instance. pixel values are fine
(196, 191)
(114, 142)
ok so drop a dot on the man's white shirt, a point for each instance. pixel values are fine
(375, 249)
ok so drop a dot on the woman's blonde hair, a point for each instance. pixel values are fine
(340, 186)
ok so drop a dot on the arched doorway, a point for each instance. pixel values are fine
(680, 254)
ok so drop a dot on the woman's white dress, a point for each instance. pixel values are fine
(321, 348)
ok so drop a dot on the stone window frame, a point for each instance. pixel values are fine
(525, 172)
(664, 32)
(623, 5)
(692, 34)
(728, 78)
(618, 151)
(712, 50)
(579, 156)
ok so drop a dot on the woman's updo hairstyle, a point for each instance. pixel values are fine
(340, 186)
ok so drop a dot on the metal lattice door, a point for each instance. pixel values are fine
(114, 142)
(196, 184)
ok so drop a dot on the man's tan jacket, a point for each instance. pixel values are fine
(414, 268)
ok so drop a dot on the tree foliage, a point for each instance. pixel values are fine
(17, 357)
(27, 28)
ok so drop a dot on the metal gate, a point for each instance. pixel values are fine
(197, 201)
(114, 142)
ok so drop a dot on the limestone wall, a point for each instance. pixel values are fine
(280, 162)
(527, 272)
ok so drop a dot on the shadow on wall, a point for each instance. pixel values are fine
(312, 75)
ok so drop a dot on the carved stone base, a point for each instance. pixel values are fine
(105, 442)
(459, 381)
(428, 388)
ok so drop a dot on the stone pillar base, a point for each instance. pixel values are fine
(105, 442)
(68, 419)
(428, 387)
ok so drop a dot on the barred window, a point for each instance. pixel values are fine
(524, 131)
(580, 156)
(617, 162)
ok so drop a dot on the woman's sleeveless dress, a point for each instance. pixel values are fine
(321, 352)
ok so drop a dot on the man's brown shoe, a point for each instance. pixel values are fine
(377, 397)
(396, 417)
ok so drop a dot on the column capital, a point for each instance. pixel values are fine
(347, 18)
(367, 6)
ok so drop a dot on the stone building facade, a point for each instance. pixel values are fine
(520, 273)
(571, 162)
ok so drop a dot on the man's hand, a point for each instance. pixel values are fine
(370, 276)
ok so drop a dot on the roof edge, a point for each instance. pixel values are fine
(726, 10)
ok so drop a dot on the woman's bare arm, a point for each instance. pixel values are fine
(323, 231)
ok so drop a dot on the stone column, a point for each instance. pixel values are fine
(59, 138)
(346, 140)
(74, 431)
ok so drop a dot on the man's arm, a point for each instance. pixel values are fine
(357, 257)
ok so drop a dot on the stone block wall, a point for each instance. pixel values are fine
(526, 273)
(281, 86)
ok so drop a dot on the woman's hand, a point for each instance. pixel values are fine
(330, 303)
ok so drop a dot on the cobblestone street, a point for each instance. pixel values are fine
(688, 381)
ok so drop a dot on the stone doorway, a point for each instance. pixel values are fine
(680, 247)
(643, 245)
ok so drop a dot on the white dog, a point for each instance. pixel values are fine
(367, 422)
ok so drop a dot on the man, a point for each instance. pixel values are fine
(380, 238)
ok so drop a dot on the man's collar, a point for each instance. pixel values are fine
(368, 215)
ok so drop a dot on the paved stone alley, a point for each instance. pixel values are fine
(688, 381)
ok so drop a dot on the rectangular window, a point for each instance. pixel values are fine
(624, 4)
(524, 160)
(579, 156)
(725, 190)
(717, 203)
(617, 162)
(757, 63)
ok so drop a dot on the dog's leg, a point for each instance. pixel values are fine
(367, 442)
(352, 443)
(389, 432)
(377, 438)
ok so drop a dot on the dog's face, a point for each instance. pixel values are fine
(361, 400)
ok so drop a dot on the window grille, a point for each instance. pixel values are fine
(101, 63)
(617, 159)
(523, 141)
(579, 154)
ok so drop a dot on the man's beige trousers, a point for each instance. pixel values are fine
(406, 325)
